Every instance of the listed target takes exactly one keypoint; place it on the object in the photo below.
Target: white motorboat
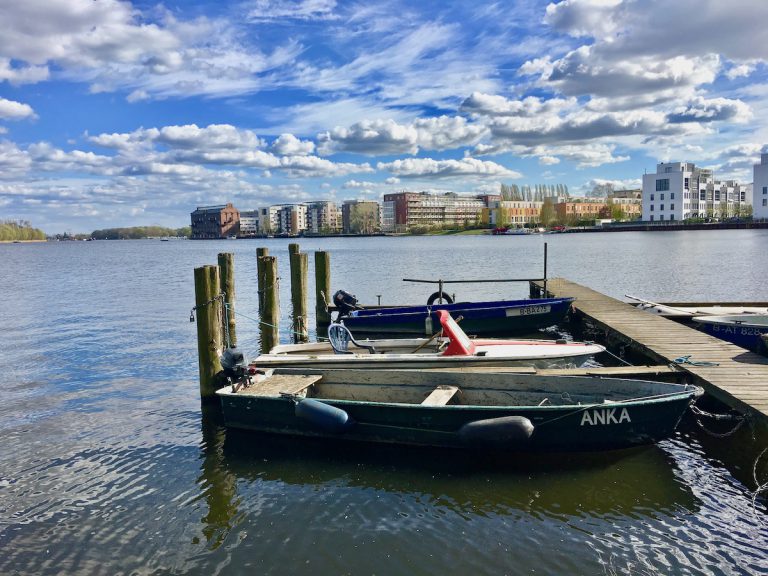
(454, 349)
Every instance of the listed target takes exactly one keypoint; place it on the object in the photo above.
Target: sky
(118, 113)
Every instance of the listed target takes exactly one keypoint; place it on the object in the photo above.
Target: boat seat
(440, 396)
(340, 337)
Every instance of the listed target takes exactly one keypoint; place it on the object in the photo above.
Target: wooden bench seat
(281, 385)
(440, 396)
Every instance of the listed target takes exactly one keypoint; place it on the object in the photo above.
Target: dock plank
(740, 378)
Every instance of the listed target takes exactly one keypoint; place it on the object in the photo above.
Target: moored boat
(499, 317)
(744, 330)
(475, 411)
(455, 349)
(683, 311)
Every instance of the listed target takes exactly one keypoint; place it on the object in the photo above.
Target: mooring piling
(299, 267)
(260, 252)
(227, 284)
(270, 311)
(322, 290)
(208, 308)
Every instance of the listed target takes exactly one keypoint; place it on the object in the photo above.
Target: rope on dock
(687, 360)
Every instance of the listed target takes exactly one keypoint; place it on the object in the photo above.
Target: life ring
(436, 296)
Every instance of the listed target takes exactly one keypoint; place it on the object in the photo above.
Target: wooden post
(322, 291)
(299, 267)
(208, 310)
(293, 248)
(270, 312)
(227, 279)
(260, 274)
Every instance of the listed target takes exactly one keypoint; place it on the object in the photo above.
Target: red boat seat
(459, 342)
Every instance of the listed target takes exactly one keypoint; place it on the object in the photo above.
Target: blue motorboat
(744, 330)
(497, 317)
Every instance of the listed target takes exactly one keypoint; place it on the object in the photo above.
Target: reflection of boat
(494, 317)
(476, 411)
(511, 231)
(744, 330)
(455, 350)
(691, 310)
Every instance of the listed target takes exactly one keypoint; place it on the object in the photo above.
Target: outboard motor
(344, 302)
(234, 364)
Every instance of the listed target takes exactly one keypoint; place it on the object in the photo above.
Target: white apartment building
(249, 222)
(680, 190)
(760, 188)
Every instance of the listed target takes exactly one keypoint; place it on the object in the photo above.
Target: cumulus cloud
(11, 110)
(595, 18)
(430, 168)
(289, 145)
(713, 110)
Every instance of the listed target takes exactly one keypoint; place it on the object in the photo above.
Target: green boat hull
(591, 427)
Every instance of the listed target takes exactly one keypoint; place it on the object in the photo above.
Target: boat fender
(324, 416)
(436, 296)
(506, 432)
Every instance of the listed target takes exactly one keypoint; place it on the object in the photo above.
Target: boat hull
(742, 330)
(502, 317)
(573, 428)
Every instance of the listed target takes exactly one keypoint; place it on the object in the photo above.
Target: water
(109, 466)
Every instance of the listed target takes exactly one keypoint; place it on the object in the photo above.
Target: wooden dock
(740, 378)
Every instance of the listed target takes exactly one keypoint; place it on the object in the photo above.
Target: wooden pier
(740, 378)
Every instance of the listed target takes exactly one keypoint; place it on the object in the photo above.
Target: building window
(651, 207)
(661, 208)
(671, 206)
(703, 195)
(765, 190)
(661, 196)
(651, 218)
(765, 201)
(651, 197)
(662, 184)
(685, 185)
(661, 217)
(671, 216)
(672, 196)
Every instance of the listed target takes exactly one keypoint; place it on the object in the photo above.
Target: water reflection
(640, 481)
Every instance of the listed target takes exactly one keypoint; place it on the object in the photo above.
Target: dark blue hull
(742, 334)
(499, 318)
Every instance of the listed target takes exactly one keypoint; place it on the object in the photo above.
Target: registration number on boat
(528, 310)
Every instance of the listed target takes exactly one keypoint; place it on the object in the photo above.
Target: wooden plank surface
(281, 384)
(440, 396)
(740, 378)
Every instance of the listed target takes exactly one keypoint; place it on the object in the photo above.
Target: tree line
(11, 230)
(138, 232)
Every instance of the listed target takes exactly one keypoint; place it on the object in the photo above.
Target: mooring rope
(687, 360)
(739, 418)
(759, 488)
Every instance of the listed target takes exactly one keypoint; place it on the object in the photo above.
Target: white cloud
(11, 110)
(428, 167)
(289, 145)
(713, 110)
(266, 10)
(595, 18)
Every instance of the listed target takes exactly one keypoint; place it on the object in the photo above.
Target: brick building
(215, 222)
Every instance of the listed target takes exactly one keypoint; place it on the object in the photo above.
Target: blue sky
(117, 113)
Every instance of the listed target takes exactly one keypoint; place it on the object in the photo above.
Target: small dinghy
(454, 350)
(741, 329)
(682, 311)
(469, 410)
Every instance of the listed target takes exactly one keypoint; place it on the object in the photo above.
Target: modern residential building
(511, 213)
(403, 211)
(760, 188)
(249, 223)
(215, 221)
(583, 209)
(292, 219)
(360, 217)
(323, 217)
(680, 190)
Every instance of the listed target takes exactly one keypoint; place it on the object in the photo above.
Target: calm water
(109, 466)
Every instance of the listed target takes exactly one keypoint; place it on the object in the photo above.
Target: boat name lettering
(528, 310)
(605, 416)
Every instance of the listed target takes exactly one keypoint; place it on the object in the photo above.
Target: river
(109, 465)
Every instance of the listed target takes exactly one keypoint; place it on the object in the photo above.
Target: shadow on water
(635, 482)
